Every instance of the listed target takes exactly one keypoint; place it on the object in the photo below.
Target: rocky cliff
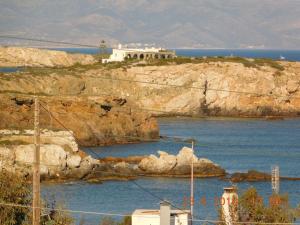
(16, 56)
(99, 121)
(114, 103)
(203, 88)
(60, 157)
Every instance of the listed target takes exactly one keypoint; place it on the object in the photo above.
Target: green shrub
(110, 221)
(13, 190)
(251, 208)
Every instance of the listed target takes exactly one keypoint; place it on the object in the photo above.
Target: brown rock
(91, 124)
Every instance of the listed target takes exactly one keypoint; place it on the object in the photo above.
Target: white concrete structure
(164, 216)
(230, 205)
(120, 54)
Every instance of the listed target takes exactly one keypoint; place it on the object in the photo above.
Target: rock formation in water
(16, 56)
(180, 164)
(166, 165)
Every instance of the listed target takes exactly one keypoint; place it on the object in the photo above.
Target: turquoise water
(237, 145)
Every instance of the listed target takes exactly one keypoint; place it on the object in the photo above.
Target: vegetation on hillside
(254, 63)
(78, 69)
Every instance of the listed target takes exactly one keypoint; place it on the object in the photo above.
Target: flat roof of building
(153, 212)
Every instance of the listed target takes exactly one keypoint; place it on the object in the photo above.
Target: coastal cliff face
(16, 56)
(100, 121)
(220, 89)
(190, 89)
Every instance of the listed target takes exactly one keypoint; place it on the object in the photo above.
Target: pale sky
(167, 23)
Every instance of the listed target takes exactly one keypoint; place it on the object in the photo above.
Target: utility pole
(36, 211)
(275, 179)
(192, 184)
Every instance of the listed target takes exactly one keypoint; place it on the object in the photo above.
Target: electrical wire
(125, 215)
(47, 41)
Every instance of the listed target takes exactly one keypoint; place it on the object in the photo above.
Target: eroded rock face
(179, 165)
(156, 165)
(16, 56)
(91, 120)
(74, 161)
(216, 87)
(52, 155)
(59, 162)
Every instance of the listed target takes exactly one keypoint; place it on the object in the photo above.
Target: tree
(13, 190)
(251, 208)
(107, 220)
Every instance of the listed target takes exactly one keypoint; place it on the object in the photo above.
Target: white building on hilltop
(120, 54)
(163, 216)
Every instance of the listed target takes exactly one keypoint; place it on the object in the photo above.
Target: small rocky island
(166, 165)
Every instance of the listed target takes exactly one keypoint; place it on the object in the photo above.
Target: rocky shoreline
(165, 165)
(93, 121)
(119, 103)
(63, 161)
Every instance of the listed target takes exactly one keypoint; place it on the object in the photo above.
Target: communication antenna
(103, 47)
(275, 179)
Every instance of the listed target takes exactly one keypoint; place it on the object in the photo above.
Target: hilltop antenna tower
(103, 47)
(275, 179)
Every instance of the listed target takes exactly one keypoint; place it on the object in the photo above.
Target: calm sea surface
(292, 55)
(235, 144)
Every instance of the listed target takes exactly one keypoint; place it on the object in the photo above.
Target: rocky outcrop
(180, 165)
(228, 88)
(255, 176)
(94, 121)
(165, 165)
(17, 56)
(59, 160)
(250, 176)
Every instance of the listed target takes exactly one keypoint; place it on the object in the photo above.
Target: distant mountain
(168, 23)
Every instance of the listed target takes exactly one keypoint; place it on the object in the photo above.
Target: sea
(237, 145)
(288, 54)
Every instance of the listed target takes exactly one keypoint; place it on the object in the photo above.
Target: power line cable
(142, 188)
(47, 41)
(164, 84)
(125, 215)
